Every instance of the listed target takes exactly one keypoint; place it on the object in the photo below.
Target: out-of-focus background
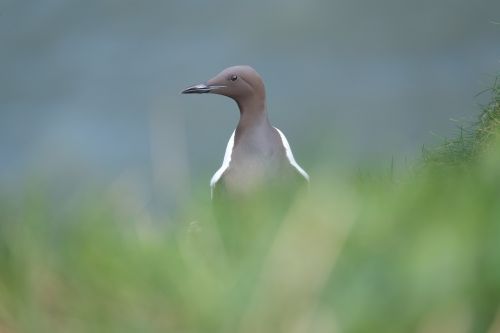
(106, 223)
(89, 90)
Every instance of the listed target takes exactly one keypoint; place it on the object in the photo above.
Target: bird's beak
(201, 89)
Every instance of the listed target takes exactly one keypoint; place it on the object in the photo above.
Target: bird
(257, 154)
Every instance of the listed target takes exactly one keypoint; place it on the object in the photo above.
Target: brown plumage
(257, 155)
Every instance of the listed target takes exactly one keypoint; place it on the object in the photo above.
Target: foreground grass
(418, 255)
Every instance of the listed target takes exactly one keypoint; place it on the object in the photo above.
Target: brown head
(241, 83)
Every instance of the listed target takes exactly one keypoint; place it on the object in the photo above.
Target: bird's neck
(253, 113)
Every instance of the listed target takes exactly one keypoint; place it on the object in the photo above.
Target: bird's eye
(234, 78)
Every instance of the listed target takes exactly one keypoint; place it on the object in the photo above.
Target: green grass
(420, 254)
(472, 139)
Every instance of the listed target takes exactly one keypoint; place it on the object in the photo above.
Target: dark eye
(234, 78)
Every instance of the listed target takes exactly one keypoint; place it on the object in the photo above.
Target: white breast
(225, 164)
(227, 160)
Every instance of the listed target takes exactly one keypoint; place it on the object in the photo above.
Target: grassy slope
(422, 254)
(472, 139)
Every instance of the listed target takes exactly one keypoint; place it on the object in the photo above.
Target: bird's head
(237, 82)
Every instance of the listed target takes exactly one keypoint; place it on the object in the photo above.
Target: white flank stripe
(224, 166)
(289, 155)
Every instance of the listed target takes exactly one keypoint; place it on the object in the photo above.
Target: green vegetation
(420, 254)
(472, 139)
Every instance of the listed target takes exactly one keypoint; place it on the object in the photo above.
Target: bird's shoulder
(289, 155)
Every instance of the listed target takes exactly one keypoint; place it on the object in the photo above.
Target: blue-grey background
(89, 90)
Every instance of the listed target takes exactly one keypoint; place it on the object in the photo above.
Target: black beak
(200, 89)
